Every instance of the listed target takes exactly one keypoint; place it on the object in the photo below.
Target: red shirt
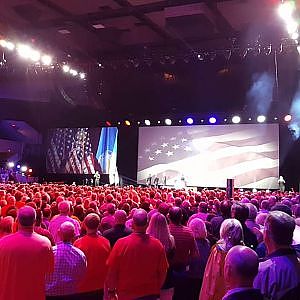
(96, 250)
(25, 259)
(139, 265)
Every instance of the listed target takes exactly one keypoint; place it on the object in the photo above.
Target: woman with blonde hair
(213, 286)
(158, 228)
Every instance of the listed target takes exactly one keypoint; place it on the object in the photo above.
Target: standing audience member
(158, 228)
(119, 230)
(241, 267)
(25, 259)
(6, 226)
(137, 265)
(96, 249)
(213, 286)
(69, 266)
(198, 263)
(186, 250)
(280, 272)
(56, 221)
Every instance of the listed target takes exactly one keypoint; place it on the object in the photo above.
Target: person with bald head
(96, 249)
(240, 269)
(69, 268)
(137, 265)
(56, 221)
(119, 230)
(25, 259)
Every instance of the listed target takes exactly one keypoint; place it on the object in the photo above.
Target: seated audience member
(25, 259)
(137, 265)
(69, 266)
(56, 221)
(198, 263)
(240, 212)
(96, 249)
(158, 228)
(241, 267)
(119, 230)
(280, 272)
(6, 226)
(213, 285)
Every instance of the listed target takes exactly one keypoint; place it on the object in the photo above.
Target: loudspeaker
(230, 188)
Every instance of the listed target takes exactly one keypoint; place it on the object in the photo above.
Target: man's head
(240, 212)
(175, 215)
(64, 207)
(92, 222)
(120, 217)
(140, 220)
(278, 230)
(66, 232)
(26, 217)
(241, 267)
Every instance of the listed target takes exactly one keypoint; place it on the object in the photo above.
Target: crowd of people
(144, 243)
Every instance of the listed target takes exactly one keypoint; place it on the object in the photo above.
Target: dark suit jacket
(251, 294)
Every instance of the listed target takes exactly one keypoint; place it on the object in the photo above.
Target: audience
(137, 265)
(241, 267)
(69, 266)
(81, 270)
(25, 259)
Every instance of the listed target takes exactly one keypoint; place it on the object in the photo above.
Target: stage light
(18, 166)
(10, 164)
(275, 118)
(66, 68)
(30, 170)
(127, 123)
(291, 26)
(236, 119)
(168, 121)
(107, 123)
(8, 45)
(287, 118)
(295, 35)
(147, 122)
(179, 121)
(212, 120)
(261, 119)
(82, 75)
(35, 55)
(24, 50)
(73, 72)
(225, 120)
(158, 122)
(190, 121)
(46, 60)
(250, 119)
(24, 169)
(202, 120)
(285, 10)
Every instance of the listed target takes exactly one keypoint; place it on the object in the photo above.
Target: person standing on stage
(97, 178)
(281, 183)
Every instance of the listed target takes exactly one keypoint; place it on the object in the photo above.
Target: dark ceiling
(144, 57)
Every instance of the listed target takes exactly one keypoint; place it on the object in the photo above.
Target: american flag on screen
(208, 155)
(70, 151)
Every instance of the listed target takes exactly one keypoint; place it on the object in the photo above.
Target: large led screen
(82, 150)
(207, 155)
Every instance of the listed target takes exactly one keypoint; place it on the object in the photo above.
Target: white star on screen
(183, 140)
(187, 148)
(151, 158)
(176, 147)
(158, 152)
(164, 145)
(169, 153)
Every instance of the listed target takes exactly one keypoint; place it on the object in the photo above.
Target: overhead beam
(116, 13)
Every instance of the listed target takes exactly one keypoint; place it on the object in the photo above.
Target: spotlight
(190, 121)
(285, 10)
(24, 50)
(107, 123)
(236, 119)
(24, 169)
(287, 118)
(212, 120)
(295, 35)
(127, 123)
(73, 72)
(291, 26)
(8, 45)
(82, 75)
(35, 55)
(168, 121)
(10, 164)
(18, 166)
(261, 119)
(30, 170)
(46, 60)
(275, 118)
(147, 122)
(250, 119)
(225, 120)
(66, 68)
(158, 122)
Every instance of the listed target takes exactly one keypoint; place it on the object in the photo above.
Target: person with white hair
(56, 221)
(213, 286)
(69, 266)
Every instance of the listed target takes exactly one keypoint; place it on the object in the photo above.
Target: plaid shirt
(69, 268)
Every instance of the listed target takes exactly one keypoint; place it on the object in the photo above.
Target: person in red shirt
(96, 249)
(137, 265)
